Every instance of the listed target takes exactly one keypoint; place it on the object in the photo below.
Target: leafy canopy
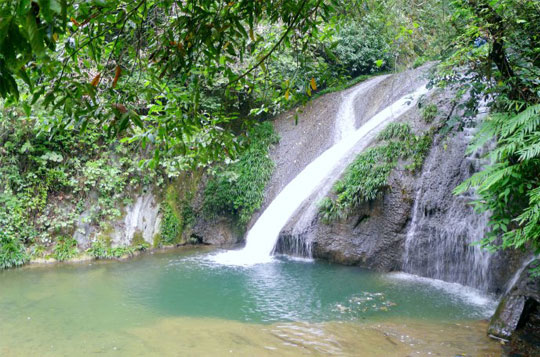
(145, 64)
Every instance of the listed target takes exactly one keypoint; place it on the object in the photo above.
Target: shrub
(100, 250)
(429, 112)
(65, 249)
(363, 181)
(12, 252)
(367, 176)
(171, 226)
(360, 48)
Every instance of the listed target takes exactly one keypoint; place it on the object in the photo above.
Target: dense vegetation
(367, 177)
(103, 99)
(498, 49)
(49, 183)
(237, 189)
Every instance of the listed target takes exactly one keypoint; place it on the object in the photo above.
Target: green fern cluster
(65, 249)
(509, 188)
(367, 177)
(399, 131)
(237, 189)
(12, 252)
(101, 250)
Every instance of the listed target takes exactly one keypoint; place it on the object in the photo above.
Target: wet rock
(518, 315)
(372, 237)
(376, 234)
(506, 318)
(220, 231)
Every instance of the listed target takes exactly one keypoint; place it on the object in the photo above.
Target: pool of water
(181, 303)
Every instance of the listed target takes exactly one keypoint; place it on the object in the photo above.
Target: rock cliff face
(304, 139)
(418, 225)
(374, 235)
(141, 219)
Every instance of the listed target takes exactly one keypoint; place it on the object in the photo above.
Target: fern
(399, 131)
(509, 188)
(526, 121)
(367, 177)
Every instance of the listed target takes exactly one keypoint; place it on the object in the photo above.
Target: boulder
(518, 315)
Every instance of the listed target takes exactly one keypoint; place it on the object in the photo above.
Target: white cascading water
(518, 273)
(298, 245)
(262, 237)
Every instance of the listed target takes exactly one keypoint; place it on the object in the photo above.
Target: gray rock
(519, 308)
(220, 231)
(142, 217)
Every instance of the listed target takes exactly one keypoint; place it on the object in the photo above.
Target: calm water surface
(180, 303)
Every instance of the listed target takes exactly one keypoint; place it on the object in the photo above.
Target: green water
(131, 307)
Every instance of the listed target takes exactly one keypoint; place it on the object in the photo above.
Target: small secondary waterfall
(518, 273)
(262, 237)
(443, 227)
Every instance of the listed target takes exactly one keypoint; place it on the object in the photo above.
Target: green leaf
(136, 119)
(24, 76)
(35, 35)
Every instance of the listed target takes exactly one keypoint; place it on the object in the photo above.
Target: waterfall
(518, 273)
(443, 228)
(262, 237)
(298, 243)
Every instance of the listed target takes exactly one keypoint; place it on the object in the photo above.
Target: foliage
(47, 183)
(400, 131)
(367, 177)
(497, 53)
(171, 226)
(65, 249)
(178, 215)
(12, 252)
(510, 187)
(360, 48)
(415, 31)
(429, 112)
(237, 189)
(100, 250)
(138, 239)
(184, 78)
(148, 65)
(157, 240)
